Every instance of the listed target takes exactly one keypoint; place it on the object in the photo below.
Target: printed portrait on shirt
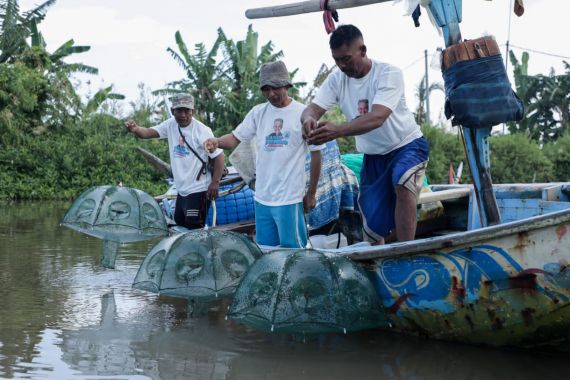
(362, 107)
(181, 150)
(278, 138)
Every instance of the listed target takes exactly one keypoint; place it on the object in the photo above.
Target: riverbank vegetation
(55, 143)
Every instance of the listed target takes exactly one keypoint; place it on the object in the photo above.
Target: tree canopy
(54, 143)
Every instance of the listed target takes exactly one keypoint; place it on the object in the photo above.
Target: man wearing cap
(280, 164)
(194, 182)
(395, 151)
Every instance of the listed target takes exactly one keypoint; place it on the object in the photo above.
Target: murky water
(63, 316)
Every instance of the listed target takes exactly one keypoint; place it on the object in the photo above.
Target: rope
(329, 17)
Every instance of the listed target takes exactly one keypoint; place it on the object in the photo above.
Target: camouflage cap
(182, 101)
(274, 74)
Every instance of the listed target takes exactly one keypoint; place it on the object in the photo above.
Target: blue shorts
(380, 173)
(280, 225)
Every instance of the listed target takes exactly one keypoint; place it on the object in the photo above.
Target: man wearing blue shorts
(280, 197)
(395, 151)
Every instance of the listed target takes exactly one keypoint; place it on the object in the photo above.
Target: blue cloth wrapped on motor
(479, 94)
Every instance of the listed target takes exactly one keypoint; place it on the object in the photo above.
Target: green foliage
(546, 99)
(16, 27)
(62, 165)
(516, 158)
(558, 153)
(22, 91)
(203, 77)
(225, 89)
(445, 148)
(147, 110)
(98, 99)
(54, 145)
(345, 144)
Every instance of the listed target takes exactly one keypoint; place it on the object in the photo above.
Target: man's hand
(309, 202)
(326, 131)
(131, 126)
(211, 145)
(309, 125)
(213, 190)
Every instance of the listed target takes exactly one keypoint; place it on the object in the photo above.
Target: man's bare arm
(228, 141)
(214, 187)
(327, 131)
(310, 200)
(315, 171)
(311, 114)
(140, 132)
(367, 122)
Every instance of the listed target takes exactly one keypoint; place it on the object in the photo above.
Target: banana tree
(16, 27)
(242, 62)
(547, 104)
(203, 76)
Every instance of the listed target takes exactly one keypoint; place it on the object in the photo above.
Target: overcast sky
(128, 38)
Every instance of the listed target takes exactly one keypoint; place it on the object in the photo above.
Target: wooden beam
(156, 162)
(444, 195)
(305, 7)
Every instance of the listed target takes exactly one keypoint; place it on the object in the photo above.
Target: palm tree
(422, 95)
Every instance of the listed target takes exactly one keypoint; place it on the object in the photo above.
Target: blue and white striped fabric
(337, 189)
(479, 94)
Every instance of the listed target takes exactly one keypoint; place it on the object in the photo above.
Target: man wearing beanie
(280, 197)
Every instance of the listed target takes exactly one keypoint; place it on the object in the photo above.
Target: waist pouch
(478, 93)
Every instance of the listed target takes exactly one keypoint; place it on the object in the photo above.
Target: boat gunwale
(460, 238)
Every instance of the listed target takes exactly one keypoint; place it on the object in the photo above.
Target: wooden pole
(305, 7)
(428, 120)
(156, 162)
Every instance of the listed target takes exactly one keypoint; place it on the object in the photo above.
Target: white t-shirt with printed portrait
(281, 152)
(384, 85)
(185, 165)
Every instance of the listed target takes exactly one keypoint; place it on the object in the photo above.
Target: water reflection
(62, 316)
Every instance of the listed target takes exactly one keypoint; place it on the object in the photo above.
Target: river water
(63, 316)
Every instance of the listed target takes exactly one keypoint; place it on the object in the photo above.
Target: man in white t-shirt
(395, 151)
(189, 160)
(280, 164)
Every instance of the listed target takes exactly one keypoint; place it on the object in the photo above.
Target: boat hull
(501, 286)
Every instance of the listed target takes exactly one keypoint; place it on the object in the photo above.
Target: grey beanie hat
(274, 74)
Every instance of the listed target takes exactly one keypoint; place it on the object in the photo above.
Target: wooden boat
(486, 271)
(504, 285)
(464, 279)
